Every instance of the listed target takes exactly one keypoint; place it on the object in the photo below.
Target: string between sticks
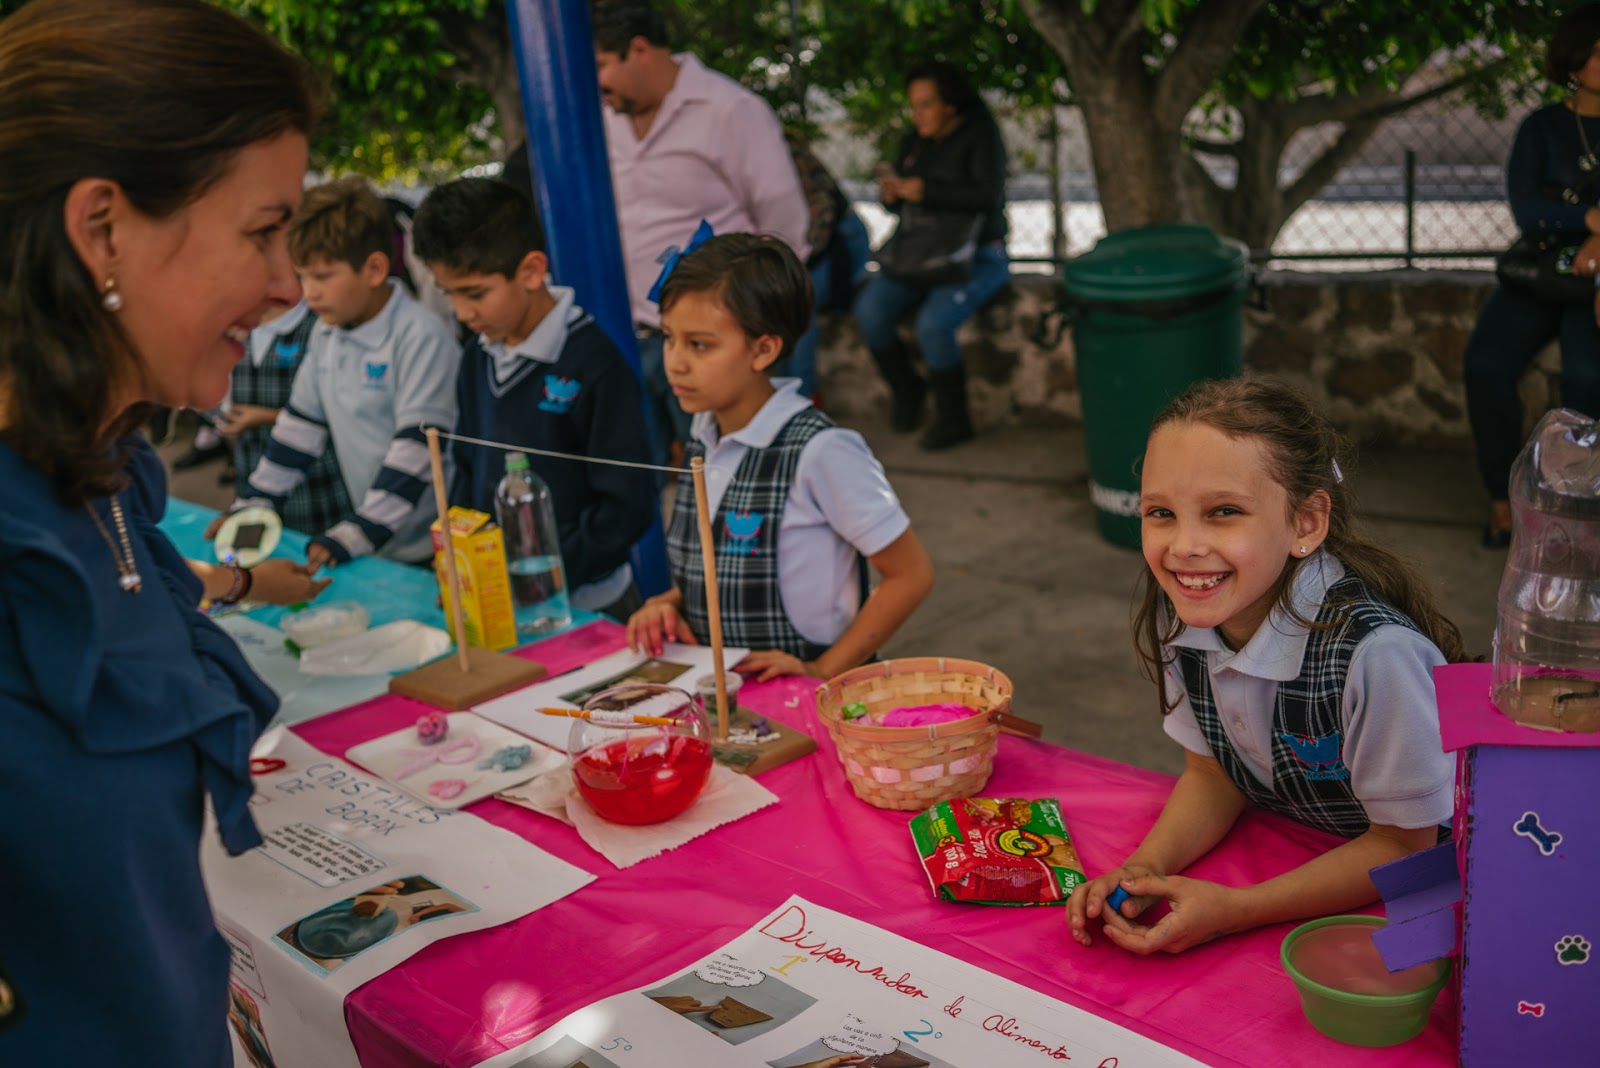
(561, 455)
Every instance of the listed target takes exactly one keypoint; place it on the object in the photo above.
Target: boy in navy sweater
(539, 373)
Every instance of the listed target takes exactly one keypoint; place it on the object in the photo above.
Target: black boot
(951, 426)
(907, 390)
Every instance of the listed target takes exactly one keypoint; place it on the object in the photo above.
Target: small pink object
(459, 751)
(445, 789)
(926, 715)
(432, 728)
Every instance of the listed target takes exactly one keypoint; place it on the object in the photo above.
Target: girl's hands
(1200, 912)
(1088, 901)
(656, 623)
(241, 417)
(771, 663)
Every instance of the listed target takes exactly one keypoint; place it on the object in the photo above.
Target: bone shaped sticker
(1525, 1008)
(1529, 827)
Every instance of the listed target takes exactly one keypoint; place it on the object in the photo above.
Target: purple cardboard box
(1527, 828)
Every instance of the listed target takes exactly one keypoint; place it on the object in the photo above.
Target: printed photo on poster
(329, 937)
(568, 1052)
(855, 1043)
(731, 999)
(245, 1017)
(651, 671)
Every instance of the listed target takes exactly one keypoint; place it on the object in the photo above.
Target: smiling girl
(1295, 663)
(799, 506)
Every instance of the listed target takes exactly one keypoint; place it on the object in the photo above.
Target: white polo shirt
(714, 151)
(840, 504)
(1399, 770)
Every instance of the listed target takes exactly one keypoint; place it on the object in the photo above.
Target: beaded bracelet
(242, 581)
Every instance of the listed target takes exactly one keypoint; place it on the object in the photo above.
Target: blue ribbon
(670, 258)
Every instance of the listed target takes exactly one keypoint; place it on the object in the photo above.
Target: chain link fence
(1427, 190)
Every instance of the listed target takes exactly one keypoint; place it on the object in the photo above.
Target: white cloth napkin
(728, 796)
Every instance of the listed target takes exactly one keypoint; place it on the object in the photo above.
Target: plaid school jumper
(1310, 782)
(745, 536)
(321, 500)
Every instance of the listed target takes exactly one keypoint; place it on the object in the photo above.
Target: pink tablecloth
(469, 997)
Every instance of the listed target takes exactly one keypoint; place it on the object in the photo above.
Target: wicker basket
(911, 768)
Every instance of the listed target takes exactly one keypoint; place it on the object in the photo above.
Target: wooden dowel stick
(442, 502)
(708, 562)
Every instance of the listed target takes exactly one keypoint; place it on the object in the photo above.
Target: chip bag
(998, 851)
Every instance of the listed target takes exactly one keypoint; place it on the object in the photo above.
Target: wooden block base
(753, 758)
(444, 685)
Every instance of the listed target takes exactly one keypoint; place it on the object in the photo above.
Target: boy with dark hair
(539, 373)
(378, 368)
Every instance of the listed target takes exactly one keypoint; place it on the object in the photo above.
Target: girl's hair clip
(1338, 475)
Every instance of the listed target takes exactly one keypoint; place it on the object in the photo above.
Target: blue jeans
(668, 420)
(855, 245)
(940, 310)
(1512, 327)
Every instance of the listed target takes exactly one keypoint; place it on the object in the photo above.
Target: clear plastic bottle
(527, 518)
(1547, 634)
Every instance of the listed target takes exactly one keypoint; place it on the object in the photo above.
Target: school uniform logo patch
(559, 393)
(286, 352)
(743, 529)
(374, 375)
(1321, 758)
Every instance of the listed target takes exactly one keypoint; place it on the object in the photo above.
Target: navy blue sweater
(1543, 162)
(586, 403)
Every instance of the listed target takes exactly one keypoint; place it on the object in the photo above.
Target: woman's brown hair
(1303, 455)
(158, 96)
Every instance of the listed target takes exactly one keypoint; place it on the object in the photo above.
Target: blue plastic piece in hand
(1115, 899)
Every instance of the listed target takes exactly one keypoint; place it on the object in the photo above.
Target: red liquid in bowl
(643, 780)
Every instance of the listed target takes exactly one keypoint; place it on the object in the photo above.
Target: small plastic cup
(1346, 990)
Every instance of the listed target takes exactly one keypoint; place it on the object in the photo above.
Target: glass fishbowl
(644, 753)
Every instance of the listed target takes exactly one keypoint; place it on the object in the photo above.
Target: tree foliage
(1160, 79)
(1189, 105)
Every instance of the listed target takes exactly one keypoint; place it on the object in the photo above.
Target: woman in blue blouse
(1557, 149)
(153, 155)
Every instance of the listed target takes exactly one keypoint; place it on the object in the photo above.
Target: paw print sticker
(1573, 949)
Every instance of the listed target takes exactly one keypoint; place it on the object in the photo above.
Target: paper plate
(248, 536)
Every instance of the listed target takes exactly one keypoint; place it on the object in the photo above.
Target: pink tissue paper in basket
(925, 715)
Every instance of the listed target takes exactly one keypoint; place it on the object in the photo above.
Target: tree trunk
(487, 61)
(1134, 117)
(1135, 162)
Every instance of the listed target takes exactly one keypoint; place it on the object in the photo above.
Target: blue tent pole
(572, 178)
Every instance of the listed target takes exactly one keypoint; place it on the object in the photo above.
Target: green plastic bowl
(1339, 996)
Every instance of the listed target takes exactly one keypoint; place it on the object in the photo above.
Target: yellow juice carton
(485, 582)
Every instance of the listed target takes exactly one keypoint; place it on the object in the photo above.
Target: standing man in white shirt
(685, 143)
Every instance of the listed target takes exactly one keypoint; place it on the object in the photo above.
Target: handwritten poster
(353, 877)
(808, 987)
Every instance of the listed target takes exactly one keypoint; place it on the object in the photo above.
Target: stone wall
(1379, 351)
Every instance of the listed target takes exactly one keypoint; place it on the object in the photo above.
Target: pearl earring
(1303, 550)
(111, 301)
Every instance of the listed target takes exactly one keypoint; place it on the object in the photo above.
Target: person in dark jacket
(952, 160)
(540, 373)
(1557, 149)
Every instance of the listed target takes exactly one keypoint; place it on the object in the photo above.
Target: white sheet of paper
(678, 665)
(355, 876)
(400, 760)
(809, 983)
(300, 696)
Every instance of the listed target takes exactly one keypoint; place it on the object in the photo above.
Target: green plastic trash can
(1154, 310)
